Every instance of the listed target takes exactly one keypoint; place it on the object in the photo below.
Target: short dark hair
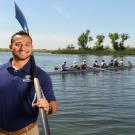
(20, 33)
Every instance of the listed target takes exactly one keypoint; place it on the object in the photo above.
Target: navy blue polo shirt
(17, 93)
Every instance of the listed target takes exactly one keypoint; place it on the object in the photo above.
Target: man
(111, 63)
(63, 66)
(75, 66)
(115, 63)
(95, 64)
(121, 63)
(18, 102)
(103, 64)
(83, 65)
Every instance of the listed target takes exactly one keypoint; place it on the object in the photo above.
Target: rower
(110, 63)
(95, 64)
(83, 65)
(75, 65)
(121, 63)
(103, 64)
(115, 63)
(63, 66)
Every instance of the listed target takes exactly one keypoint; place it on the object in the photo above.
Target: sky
(55, 24)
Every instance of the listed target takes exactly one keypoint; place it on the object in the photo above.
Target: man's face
(21, 47)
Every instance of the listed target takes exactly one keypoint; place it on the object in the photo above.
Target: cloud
(61, 11)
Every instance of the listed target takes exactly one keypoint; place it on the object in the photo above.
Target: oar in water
(106, 70)
(21, 18)
(99, 69)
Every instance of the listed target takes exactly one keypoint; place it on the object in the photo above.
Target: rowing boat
(90, 69)
(71, 71)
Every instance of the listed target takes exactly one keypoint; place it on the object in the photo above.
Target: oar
(102, 69)
(39, 96)
(21, 19)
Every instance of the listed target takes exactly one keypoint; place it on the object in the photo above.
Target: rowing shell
(90, 69)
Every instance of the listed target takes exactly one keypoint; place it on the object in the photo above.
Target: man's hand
(42, 103)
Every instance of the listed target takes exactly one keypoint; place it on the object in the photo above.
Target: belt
(20, 131)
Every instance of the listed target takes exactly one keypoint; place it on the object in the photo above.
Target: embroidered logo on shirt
(27, 78)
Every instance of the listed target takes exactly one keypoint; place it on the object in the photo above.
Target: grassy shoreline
(88, 52)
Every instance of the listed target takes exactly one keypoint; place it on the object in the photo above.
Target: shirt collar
(26, 68)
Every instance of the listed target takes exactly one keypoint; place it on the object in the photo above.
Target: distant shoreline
(83, 52)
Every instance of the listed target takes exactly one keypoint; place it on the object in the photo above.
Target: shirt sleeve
(47, 87)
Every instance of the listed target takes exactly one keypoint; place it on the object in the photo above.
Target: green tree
(83, 40)
(70, 47)
(114, 37)
(124, 36)
(98, 45)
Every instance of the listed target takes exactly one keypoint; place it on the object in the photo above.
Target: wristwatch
(50, 110)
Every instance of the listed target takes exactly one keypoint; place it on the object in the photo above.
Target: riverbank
(93, 52)
(89, 52)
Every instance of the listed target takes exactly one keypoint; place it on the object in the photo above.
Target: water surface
(90, 104)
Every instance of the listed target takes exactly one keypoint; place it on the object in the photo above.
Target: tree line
(117, 41)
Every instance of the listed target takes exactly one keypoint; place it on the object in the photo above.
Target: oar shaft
(44, 122)
(41, 110)
(37, 88)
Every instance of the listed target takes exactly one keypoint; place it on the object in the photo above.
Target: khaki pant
(33, 131)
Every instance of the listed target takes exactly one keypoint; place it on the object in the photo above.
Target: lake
(90, 104)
